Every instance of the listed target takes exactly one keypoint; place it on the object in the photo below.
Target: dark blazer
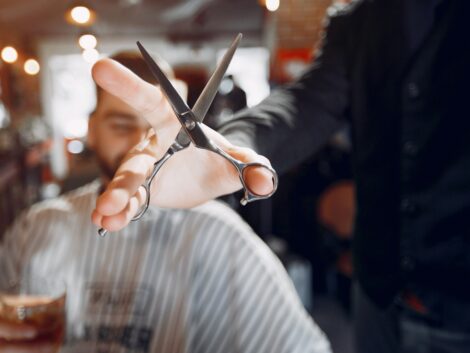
(410, 122)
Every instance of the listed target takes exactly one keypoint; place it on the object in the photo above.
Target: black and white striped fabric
(176, 281)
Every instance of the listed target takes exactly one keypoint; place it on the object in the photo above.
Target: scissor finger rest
(250, 195)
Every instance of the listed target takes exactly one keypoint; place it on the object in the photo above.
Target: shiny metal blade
(178, 104)
(204, 101)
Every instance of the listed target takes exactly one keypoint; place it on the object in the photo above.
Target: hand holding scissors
(192, 132)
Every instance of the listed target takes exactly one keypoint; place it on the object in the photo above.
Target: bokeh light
(87, 41)
(80, 14)
(9, 54)
(31, 67)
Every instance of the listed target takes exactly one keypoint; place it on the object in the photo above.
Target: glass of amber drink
(32, 313)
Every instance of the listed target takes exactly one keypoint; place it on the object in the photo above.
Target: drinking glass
(34, 305)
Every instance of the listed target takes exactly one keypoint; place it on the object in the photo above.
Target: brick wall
(295, 30)
(299, 22)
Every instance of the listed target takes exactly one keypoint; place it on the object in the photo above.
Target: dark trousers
(393, 331)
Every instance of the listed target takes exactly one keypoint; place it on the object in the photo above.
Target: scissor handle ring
(249, 196)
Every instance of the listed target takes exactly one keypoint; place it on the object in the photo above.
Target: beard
(108, 168)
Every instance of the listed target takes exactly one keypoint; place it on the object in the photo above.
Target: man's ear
(91, 136)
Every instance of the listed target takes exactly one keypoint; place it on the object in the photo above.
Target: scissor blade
(204, 101)
(174, 98)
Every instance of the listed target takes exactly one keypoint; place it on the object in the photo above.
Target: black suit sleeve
(294, 122)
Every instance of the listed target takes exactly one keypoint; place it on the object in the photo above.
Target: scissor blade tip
(144, 52)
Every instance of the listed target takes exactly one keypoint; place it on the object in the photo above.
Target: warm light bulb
(87, 41)
(90, 55)
(31, 67)
(9, 54)
(80, 14)
(272, 5)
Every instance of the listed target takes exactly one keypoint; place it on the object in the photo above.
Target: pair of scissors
(191, 129)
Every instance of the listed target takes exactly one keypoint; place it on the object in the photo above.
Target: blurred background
(46, 95)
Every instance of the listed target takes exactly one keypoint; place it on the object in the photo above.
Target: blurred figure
(176, 281)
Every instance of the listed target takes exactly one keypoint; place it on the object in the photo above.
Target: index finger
(121, 82)
(127, 179)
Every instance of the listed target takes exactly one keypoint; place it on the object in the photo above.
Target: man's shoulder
(342, 7)
(209, 223)
(218, 211)
(68, 203)
(346, 11)
(228, 224)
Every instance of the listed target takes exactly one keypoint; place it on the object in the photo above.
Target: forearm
(283, 129)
